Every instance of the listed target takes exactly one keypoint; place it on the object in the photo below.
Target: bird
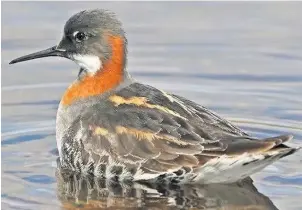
(110, 125)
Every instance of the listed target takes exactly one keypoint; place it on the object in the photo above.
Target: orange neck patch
(105, 79)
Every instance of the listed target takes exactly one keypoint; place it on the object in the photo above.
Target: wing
(142, 126)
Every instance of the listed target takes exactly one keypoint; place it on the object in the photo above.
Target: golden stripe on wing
(139, 134)
(144, 135)
(141, 101)
(101, 131)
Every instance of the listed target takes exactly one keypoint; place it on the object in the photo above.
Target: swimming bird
(110, 125)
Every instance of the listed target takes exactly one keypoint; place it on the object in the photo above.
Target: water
(242, 60)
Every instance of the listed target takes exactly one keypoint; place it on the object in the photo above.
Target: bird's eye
(79, 36)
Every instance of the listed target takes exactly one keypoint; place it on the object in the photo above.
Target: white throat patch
(91, 63)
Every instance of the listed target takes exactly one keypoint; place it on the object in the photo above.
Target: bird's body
(111, 126)
(139, 132)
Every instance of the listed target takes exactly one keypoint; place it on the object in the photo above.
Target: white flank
(140, 175)
(224, 169)
(91, 63)
(231, 169)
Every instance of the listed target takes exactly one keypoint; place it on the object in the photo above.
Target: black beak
(53, 51)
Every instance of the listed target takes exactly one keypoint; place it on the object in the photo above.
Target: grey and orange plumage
(110, 125)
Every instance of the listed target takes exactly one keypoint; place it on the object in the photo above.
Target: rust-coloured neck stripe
(105, 79)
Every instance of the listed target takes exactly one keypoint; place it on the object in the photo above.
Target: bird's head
(92, 39)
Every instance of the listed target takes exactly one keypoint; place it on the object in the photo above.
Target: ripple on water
(24, 138)
(40, 179)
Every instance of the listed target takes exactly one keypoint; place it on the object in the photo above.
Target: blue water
(242, 60)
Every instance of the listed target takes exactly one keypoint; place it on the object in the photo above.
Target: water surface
(243, 60)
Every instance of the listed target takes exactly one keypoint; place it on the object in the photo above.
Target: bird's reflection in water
(76, 192)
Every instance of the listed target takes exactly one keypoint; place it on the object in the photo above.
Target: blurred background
(242, 60)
